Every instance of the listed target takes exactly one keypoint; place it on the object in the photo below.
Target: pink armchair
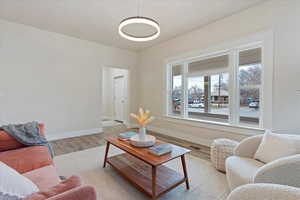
(79, 193)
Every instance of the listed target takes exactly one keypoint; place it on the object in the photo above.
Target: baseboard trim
(64, 135)
(109, 123)
(172, 133)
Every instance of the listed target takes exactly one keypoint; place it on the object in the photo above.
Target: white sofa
(242, 168)
(262, 191)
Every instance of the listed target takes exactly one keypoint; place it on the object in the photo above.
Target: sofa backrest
(8, 143)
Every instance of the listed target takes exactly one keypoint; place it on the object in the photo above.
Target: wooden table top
(143, 154)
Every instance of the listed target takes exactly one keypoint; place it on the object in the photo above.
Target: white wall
(108, 90)
(280, 16)
(55, 79)
(107, 95)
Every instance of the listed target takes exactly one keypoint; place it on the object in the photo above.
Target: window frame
(261, 92)
(234, 89)
(203, 74)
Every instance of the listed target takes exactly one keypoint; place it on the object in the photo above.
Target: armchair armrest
(248, 146)
(79, 193)
(284, 171)
(265, 191)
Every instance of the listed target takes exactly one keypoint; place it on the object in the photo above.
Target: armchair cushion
(241, 170)
(275, 146)
(264, 192)
(283, 171)
(64, 186)
(248, 146)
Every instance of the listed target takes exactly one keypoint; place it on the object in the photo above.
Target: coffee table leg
(185, 172)
(106, 153)
(153, 182)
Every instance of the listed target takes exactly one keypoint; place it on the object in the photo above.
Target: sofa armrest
(26, 159)
(265, 192)
(284, 171)
(79, 193)
(248, 146)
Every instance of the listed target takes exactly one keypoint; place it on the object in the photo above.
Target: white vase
(142, 133)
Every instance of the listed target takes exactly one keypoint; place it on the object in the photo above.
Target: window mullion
(233, 88)
(185, 91)
(169, 89)
(262, 93)
(237, 88)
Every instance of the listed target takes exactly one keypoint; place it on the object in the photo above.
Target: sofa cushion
(14, 185)
(45, 177)
(274, 146)
(27, 159)
(8, 143)
(64, 186)
(241, 170)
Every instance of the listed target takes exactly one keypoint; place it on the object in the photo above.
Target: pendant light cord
(138, 8)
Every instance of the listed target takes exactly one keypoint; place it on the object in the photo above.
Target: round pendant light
(139, 29)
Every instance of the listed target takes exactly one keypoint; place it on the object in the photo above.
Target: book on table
(126, 135)
(160, 149)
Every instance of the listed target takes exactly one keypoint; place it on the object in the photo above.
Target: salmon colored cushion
(64, 186)
(8, 143)
(27, 159)
(44, 177)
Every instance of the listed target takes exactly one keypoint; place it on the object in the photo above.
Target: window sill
(239, 129)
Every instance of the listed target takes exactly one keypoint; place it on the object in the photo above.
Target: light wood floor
(70, 145)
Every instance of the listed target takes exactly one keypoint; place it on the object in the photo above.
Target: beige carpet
(206, 182)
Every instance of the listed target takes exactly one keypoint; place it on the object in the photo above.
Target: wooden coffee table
(146, 171)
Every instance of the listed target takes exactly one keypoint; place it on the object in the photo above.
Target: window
(250, 71)
(176, 95)
(208, 89)
(225, 87)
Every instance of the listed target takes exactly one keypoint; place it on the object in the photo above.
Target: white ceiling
(98, 20)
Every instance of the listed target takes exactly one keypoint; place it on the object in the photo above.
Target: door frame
(127, 92)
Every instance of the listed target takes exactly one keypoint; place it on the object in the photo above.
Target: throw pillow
(14, 186)
(64, 186)
(274, 146)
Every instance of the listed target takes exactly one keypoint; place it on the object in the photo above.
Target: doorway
(114, 96)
